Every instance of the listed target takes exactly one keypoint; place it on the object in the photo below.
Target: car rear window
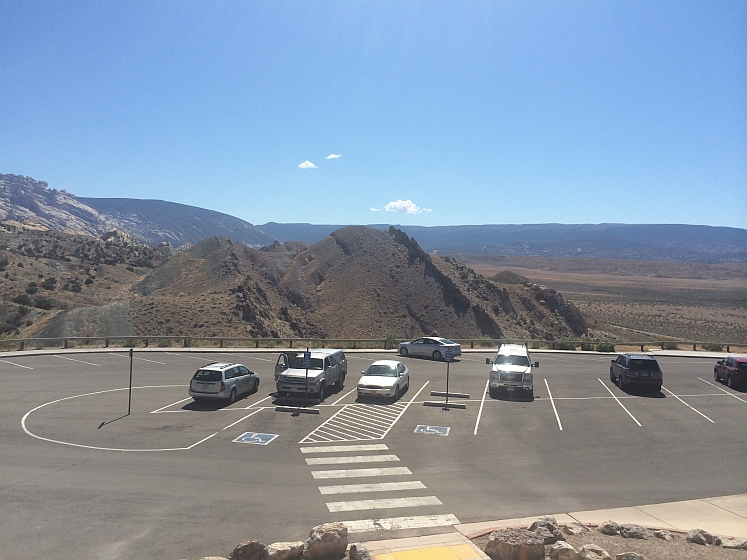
(742, 366)
(644, 365)
(207, 375)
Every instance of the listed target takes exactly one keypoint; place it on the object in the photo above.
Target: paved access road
(81, 479)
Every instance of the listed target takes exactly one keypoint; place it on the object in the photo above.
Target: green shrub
(606, 346)
(42, 302)
(164, 343)
(669, 346)
(130, 343)
(23, 299)
(390, 341)
(565, 345)
(713, 347)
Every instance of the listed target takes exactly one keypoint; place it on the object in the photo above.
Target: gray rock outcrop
(359, 552)
(663, 534)
(629, 556)
(593, 552)
(699, 536)
(284, 551)
(506, 544)
(547, 527)
(328, 541)
(252, 550)
(631, 531)
(561, 550)
(609, 528)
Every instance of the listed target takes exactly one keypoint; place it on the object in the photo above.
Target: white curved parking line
(15, 364)
(552, 402)
(688, 406)
(342, 397)
(70, 444)
(169, 405)
(723, 390)
(482, 403)
(618, 402)
(79, 361)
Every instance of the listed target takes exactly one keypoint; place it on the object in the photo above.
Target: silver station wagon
(429, 347)
(222, 380)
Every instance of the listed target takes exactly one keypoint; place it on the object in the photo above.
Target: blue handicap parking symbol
(256, 438)
(432, 430)
(449, 356)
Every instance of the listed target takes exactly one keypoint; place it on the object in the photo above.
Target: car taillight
(222, 386)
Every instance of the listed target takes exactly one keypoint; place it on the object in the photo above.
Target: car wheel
(715, 374)
(322, 389)
(396, 393)
(232, 396)
(729, 382)
(256, 386)
(493, 393)
(437, 355)
(340, 382)
(657, 389)
(621, 382)
(403, 352)
(612, 376)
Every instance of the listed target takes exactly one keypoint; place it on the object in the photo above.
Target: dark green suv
(636, 370)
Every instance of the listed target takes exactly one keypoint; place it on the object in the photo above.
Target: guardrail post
(221, 343)
(145, 342)
(23, 345)
(64, 345)
(107, 343)
(694, 346)
(641, 347)
(186, 342)
(728, 351)
(471, 343)
(291, 343)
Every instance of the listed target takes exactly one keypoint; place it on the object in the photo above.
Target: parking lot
(176, 479)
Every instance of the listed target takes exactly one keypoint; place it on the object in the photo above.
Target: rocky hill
(356, 283)
(33, 204)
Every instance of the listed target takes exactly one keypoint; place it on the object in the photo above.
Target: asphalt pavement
(173, 479)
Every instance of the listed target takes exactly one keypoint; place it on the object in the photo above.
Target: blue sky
(441, 113)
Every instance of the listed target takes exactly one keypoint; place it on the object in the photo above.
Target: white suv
(327, 368)
(512, 370)
(221, 380)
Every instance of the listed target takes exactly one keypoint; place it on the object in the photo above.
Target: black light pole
(306, 392)
(129, 399)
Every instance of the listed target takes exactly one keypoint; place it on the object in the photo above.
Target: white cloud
(375, 209)
(405, 207)
(307, 165)
(333, 156)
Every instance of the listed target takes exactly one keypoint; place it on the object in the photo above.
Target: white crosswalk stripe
(395, 523)
(360, 473)
(375, 487)
(387, 503)
(353, 459)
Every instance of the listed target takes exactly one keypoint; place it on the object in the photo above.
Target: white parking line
(259, 401)
(79, 361)
(337, 448)
(723, 390)
(185, 356)
(15, 364)
(170, 405)
(360, 473)
(345, 395)
(688, 406)
(376, 487)
(136, 358)
(396, 523)
(351, 459)
(482, 403)
(552, 402)
(386, 503)
(242, 419)
(618, 402)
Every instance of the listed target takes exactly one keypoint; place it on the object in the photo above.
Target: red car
(732, 370)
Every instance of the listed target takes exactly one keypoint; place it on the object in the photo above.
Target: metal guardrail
(345, 343)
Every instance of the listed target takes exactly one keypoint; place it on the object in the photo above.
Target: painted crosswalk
(357, 492)
(360, 422)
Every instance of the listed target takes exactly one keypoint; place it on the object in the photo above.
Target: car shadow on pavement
(639, 392)
(516, 396)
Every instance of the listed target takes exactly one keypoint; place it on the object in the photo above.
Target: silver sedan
(429, 347)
